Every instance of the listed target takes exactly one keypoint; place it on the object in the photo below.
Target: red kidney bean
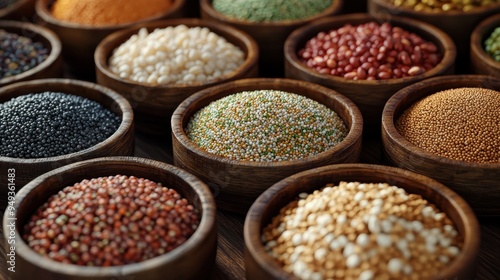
(370, 51)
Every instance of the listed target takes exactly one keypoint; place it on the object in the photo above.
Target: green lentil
(442, 5)
(461, 124)
(266, 125)
(492, 44)
(270, 10)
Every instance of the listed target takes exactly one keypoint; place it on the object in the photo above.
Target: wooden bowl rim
(207, 220)
(206, 6)
(413, 13)
(477, 38)
(394, 102)
(54, 45)
(251, 60)
(299, 34)
(42, 10)
(355, 132)
(126, 122)
(252, 228)
(12, 7)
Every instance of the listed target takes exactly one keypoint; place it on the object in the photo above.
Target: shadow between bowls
(481, 62)
(236, 184)
(154, 105)
(458, 25)
(194, 259)
(79, 41)
(478, 183)
(51, 67)
(120, 143)
(259, 265)
(369, 96)
(270, 36)
(21, 10)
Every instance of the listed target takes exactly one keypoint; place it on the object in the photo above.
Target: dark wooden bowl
(79, 41)
(19, 10)
(458, 25)
(478, 183)
(119, 143)
(369, 96)
(482, 62)
(270, 36)
(154, 105)
(236, 184)
(192, 260)
(260, 265)
(51, 67)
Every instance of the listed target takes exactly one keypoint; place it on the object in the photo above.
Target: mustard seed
(266, 125)
(316, 237)
(461, 124)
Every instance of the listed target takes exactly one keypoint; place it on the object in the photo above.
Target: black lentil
(19, 54)
(50, 124)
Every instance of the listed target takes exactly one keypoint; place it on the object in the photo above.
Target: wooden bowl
(119, 143)
(270, 36)
(230, 179)
(19, 10)
(458, 25)
(79, 41)
(194, 259)
(369, 96)
(260, 265)
(154, 105)
(51, 67)
(482, 62)
(478, 183)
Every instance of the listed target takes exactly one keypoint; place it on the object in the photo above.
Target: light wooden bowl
(79, 41)
(51, 67)
(119, 143)
(236, 184)
(260, 265)
(458, 25)
(19, 10)
(478, 183)
(481, 62)
(154, 105)
(194, 259)
(270, 36)
(369, 96)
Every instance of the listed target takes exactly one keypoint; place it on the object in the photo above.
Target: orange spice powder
(107, 12)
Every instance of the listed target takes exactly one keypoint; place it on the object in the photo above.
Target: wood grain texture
(19, 10)
(154, 105)
(481, 62)
(51, 67)
(237, 184)
(121, 142)
(478, 183)
(194, 259)
(268, 205)
(458, 25)
(79, 41)
(270, 36)
(369, 96)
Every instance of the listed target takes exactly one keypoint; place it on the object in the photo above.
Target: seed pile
(51, 124)
(270, 10)
(111, 221)
(492, 44)
(19, 54)
(107, 12)
(266, 125)
(437, 6)
(6, 3)
(175, 55)
(461, 124)
(361, 231)
(370, 52)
